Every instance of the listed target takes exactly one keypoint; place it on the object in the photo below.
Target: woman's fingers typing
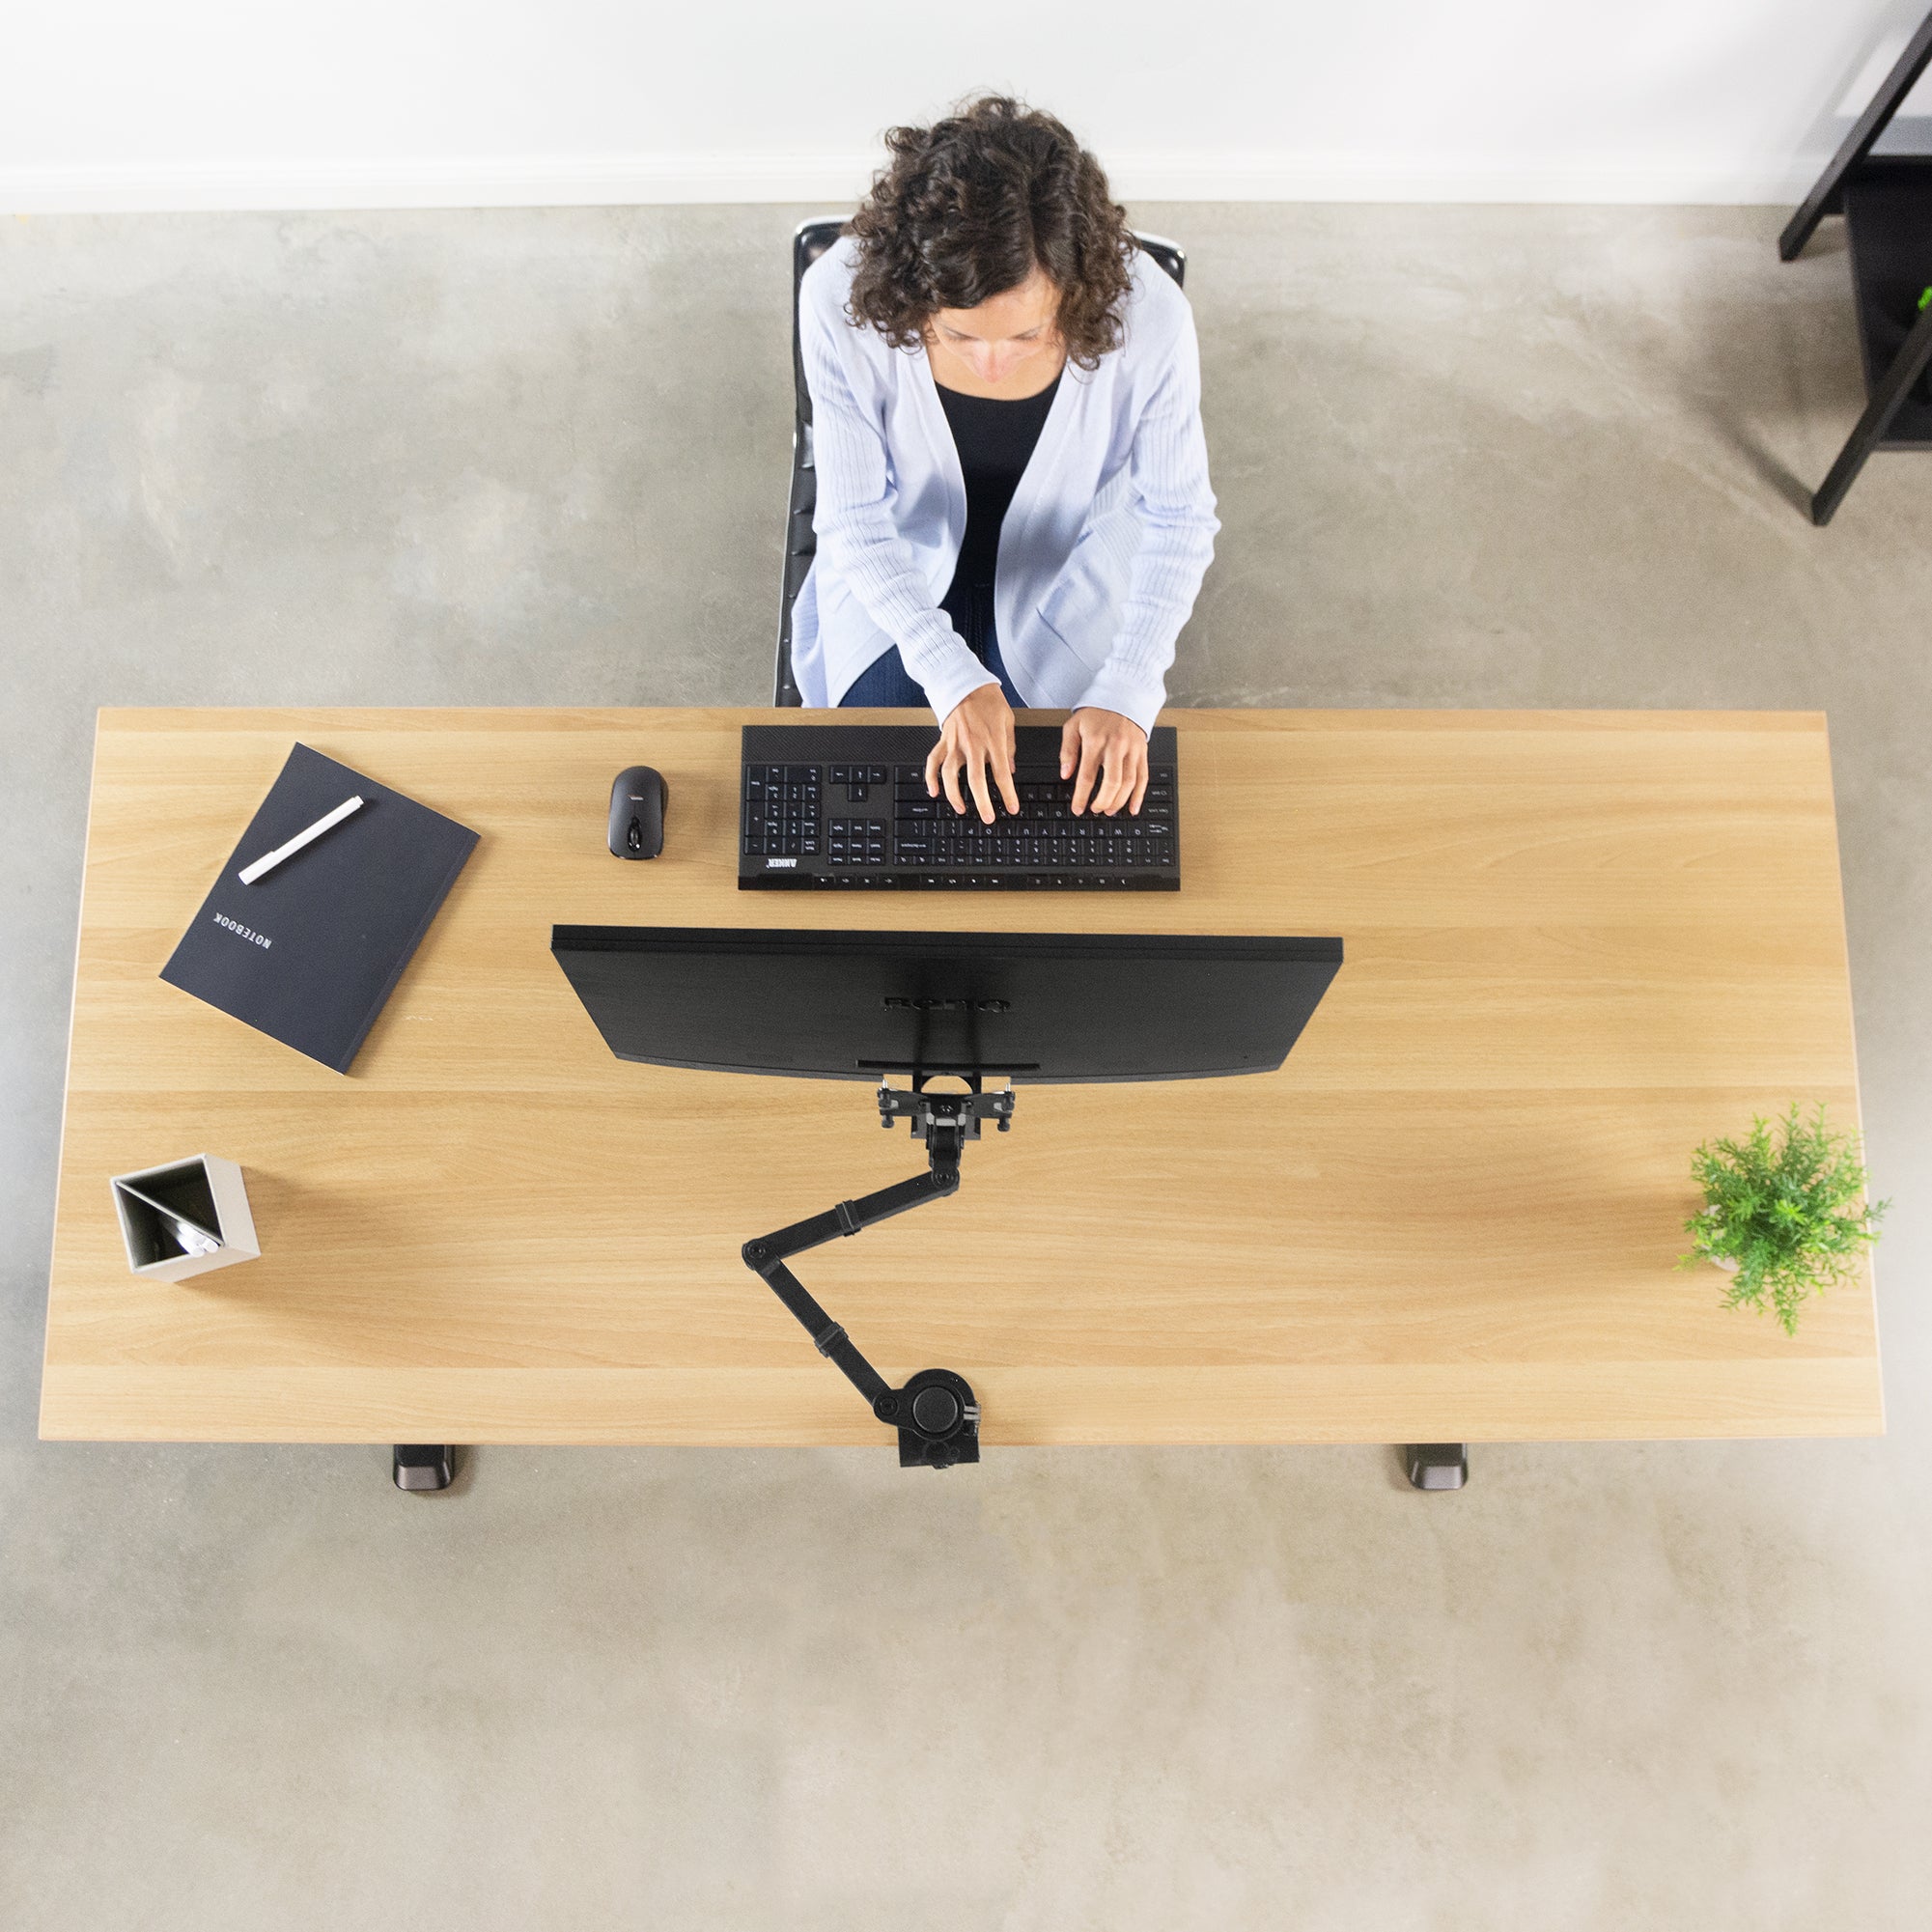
(1088, 774)
(977, 735)
(1103, 753)
(1106, 755)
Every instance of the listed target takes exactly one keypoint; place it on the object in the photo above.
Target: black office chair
(811, 240)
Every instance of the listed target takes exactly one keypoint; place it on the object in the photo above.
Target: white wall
(274, 104)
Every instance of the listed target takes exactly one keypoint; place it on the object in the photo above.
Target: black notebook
(309, 952)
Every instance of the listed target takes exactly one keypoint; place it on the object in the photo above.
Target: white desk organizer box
(169, 1214)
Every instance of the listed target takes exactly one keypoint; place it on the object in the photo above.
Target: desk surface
(1577, 944)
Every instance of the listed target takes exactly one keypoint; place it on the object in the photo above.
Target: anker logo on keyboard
(899, 1000)
(779, 864)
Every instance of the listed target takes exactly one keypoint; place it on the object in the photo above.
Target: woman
(1013, 499)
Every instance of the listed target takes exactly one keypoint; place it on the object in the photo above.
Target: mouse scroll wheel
(634, 837)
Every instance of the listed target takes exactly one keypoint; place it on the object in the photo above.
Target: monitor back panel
(1052, 1007)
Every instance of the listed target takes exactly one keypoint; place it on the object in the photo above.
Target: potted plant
(1784, 1213)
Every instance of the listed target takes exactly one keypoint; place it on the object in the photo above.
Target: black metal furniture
(809, 242)
(1887, 203)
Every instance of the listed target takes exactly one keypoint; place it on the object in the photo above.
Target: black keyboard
(845, 805)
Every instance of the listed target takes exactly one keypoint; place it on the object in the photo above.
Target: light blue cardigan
(1103, 550)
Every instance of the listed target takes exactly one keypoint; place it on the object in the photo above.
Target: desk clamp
(936, 1413)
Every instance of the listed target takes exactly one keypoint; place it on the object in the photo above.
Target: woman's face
(1005, 332)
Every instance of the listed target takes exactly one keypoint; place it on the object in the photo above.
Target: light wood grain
(1577, 944)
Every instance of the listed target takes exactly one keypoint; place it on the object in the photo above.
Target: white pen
(270, 859)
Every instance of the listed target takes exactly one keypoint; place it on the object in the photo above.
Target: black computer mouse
(637, 813)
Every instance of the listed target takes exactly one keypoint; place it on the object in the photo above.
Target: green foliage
(1788, 1211)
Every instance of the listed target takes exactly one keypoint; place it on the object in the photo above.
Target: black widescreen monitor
(1030, 1007)
(862, 1007)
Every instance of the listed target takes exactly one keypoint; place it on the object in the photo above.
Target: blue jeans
(886, 682)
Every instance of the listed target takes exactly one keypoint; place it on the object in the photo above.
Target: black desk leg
(424, 1465)
(1891, 390)
(1437, 1465)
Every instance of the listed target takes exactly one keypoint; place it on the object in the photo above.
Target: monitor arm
(936, 1413)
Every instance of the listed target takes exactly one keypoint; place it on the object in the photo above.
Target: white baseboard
(1363, 178)
(836, 180)
(470, 181)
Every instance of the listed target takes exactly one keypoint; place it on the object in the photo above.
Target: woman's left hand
(1109, 751)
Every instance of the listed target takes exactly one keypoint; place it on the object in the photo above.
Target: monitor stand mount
(936, 1413)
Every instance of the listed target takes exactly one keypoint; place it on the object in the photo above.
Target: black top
(995, 441)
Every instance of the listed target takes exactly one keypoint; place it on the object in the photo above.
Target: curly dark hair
(968, 208)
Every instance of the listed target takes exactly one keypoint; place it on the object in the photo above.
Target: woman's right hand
(977, 733)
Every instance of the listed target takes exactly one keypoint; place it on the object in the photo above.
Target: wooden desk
(1577, 944)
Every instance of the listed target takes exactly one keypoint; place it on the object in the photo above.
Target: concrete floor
(1464, 457)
